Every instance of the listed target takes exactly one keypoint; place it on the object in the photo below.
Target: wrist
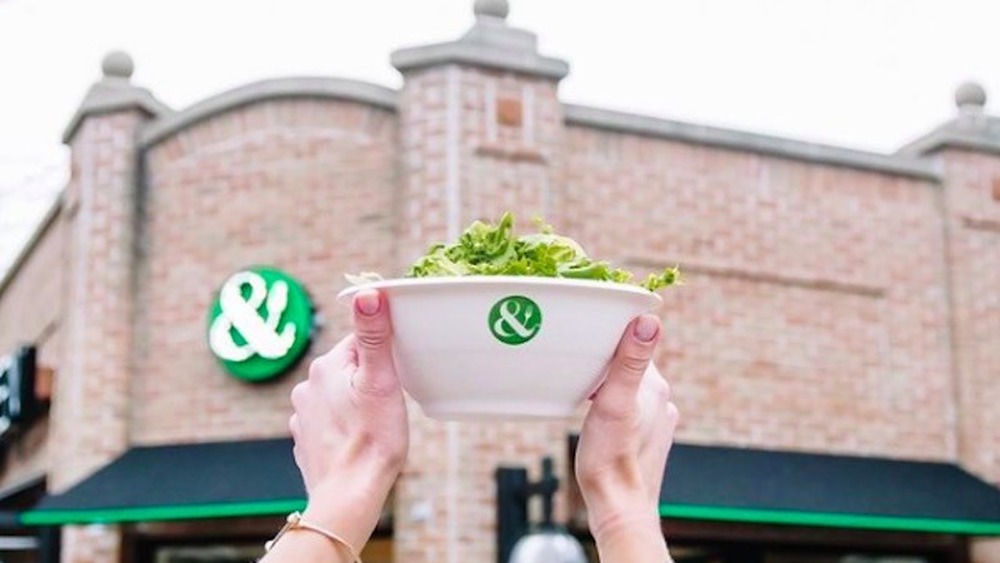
(611, 505)
(608, 525)
(630, 537)
(349, 508)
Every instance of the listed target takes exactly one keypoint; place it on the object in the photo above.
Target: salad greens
(487, 249)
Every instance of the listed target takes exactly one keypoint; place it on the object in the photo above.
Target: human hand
(623, 449)
(350, 425)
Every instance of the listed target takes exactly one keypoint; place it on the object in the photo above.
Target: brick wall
(31, 311)
(31, 303)
(303, 185)
(813, 315)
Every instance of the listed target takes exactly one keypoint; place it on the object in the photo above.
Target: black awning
(258, 478)
(772, 487)
(9, 520)
(214, 480)
(18, 497)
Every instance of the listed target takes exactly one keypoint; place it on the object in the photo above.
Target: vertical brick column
(967, 149)
(974, 248)
(974, 245)
(90, 417)
(481, 131)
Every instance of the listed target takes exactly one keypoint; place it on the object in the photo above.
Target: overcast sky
(868, 74)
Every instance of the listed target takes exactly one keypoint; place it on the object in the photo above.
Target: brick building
(838, 303)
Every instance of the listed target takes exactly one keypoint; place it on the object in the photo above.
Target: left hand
(350, 425)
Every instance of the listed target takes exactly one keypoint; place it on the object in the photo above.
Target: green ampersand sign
(515, 320)
(260, 324)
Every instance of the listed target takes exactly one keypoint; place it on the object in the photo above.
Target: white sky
(868, 74)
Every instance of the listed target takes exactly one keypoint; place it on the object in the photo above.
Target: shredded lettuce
(487, 249)
(363, 278)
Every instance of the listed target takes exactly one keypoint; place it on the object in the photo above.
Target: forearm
(635, 539)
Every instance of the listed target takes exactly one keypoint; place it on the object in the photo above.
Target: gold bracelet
(295, 522)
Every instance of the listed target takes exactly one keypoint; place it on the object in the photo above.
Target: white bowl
(473, 347)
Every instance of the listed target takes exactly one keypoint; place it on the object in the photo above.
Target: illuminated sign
(260, 324)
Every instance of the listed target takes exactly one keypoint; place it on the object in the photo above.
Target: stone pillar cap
(970, 97)
(114, 92)
(117, 64)
(491, 8)
(972, 129)
(489, 43)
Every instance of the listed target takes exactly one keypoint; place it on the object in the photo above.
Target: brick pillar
(966, 148)
(973, 204)
(91, 413)
(481, 129)
(972, 192)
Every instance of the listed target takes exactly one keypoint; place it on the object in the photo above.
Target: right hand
(626, 438)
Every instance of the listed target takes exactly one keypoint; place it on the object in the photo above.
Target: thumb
(373, 332)
(617, 396)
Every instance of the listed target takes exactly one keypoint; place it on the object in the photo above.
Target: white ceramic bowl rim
(413, 283)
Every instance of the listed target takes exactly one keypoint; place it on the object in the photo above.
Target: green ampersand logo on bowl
(515, 320)
(260, 324)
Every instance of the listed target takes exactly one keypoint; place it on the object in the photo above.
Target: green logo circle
(261, 323)
(515, 319)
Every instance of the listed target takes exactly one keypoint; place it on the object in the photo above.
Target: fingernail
(368, 303)
(645, 328)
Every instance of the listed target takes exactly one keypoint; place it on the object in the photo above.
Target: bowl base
(473, 411)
